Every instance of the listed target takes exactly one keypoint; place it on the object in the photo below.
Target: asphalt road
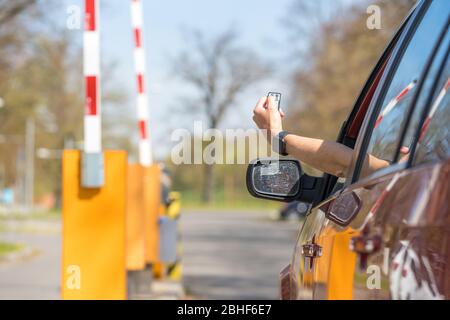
(37, 274)
(235, 255)
(226, 256)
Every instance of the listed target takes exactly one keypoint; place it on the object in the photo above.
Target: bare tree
(9, 10)
(219, 70)
(338, 53)
(41, 79)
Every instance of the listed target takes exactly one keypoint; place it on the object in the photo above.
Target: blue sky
(259, 23)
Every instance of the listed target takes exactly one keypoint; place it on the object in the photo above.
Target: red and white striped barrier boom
(434, 108)
(91, 54)
(393, 103)
(145, 155)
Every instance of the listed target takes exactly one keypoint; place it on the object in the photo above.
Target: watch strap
(278, 144)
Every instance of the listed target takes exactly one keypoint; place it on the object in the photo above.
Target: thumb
(271, 104)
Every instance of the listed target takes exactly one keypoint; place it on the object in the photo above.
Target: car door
(299, 273)
(344, 248)
(404, 191)
(420, 259)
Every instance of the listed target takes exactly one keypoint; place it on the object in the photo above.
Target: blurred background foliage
(328, 74)
(41, 79)
(339, 57)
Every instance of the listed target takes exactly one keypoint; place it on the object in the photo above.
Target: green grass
(237, 201)
(35, 215)
(7, 247)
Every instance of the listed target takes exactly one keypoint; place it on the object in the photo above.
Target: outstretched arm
(327, 156)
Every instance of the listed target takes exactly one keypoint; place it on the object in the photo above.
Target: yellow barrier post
(152, 199)
(93, 237)
(138, 277)
(135, 229)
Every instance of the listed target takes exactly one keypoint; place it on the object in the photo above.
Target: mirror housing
(344, 208)
(282, 180)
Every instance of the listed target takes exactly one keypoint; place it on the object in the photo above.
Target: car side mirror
(344, 208)
(282, 180)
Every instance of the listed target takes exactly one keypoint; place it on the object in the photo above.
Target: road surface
(235, 255)
(226, 256)
(36, 275)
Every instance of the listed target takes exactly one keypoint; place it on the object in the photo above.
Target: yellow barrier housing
(135, 228)
(93, 234)
(152, 200)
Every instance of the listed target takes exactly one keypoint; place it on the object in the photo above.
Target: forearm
(330, 157)
(372, 164)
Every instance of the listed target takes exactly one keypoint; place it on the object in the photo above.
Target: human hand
(404, 154)
(268, 117)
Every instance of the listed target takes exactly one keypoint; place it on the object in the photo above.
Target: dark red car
(385, 235)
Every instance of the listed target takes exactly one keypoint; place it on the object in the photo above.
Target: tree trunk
(208, 183)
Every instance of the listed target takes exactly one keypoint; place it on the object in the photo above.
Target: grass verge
(235, 202)
(7, 248)
(34, 215)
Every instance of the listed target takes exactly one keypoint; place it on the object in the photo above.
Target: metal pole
(29, 168)
(92, 171)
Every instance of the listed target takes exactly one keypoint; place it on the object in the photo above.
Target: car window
(424, 101)
(391, 118)
(434, 141)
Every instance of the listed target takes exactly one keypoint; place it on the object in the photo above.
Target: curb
(167, 290)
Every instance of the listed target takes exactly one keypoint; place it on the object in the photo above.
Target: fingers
(404, 150)
(261, 103)
(267, 103)
(271, 104)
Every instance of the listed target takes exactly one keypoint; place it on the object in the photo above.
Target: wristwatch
(278, 143)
